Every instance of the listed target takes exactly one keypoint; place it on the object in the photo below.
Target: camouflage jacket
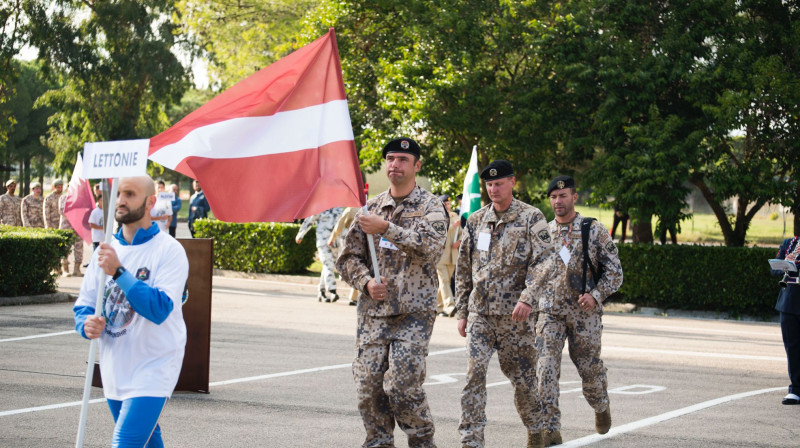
(325, 222)
(63, 222)
(407, 254)
(10, 210)
(503, 267)
(33, 211)
(564, 281)
(51, 215)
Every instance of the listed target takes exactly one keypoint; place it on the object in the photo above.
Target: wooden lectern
(197, 315)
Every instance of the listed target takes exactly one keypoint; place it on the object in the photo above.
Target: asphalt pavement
(280, 377)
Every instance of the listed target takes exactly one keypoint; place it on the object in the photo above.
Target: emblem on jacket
(143, 274)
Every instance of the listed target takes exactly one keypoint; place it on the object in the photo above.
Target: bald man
(141, 330)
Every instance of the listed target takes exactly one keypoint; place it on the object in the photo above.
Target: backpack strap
(586, 225)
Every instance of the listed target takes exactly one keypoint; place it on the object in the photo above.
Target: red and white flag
(80, 202)
(277, 146)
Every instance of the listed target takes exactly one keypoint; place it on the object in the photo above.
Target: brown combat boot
(552, 437)
(602, 421)
(535, 439)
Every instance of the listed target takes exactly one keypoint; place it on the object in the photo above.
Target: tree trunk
(642, 229)
(796, 210)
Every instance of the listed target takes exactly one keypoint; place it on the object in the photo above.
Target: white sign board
(166, 196)
(122, 158)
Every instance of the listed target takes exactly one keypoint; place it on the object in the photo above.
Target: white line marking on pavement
(45, 335)
(217, 383)
(633, 426)
(48, 407)
(242, 293)
(698, 354)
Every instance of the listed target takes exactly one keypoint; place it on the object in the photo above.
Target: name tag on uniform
(565, 256)
(386, 244)
(484, 238)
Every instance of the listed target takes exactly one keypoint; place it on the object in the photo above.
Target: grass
(704, 228)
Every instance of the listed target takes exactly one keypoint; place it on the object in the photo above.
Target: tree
(239, 38)
(116, 63)
(25, 141)
(11, 40)
(754, 142)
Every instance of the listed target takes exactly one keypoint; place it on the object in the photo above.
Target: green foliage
(25, 141)
(240, 38)
(258, 247)
(116, 62)
(31, 259)
(705, 278)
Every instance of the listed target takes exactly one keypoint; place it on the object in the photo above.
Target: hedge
(735, 280)
(31, 259)
(258, 247)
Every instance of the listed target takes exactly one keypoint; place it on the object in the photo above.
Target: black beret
(498, 169)
(559, 183)
(444, 197)
(402, 144)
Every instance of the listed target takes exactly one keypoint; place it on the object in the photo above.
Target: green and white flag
(471, 196)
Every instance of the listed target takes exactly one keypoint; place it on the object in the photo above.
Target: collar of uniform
(140, 237)
(388, 201)
(509, 215)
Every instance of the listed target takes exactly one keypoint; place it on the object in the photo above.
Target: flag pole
(370, 242)
(87, 385)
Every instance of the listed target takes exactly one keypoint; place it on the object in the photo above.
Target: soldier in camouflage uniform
(77, 248)
(568, 313)
(497, 282)
(336, 242)
(395, 316)
(10, 206)
(33, 207)
(325, 222)
(51, 215)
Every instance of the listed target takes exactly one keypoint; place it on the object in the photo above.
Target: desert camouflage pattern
(10, 210)
(515, 346)
(417, 228)
(325, 222)
(77, 248)
(393, 334)
(447, 266)
(491, 282)
(560, 318)
(33, 211)
(51, 215)
(389, 370)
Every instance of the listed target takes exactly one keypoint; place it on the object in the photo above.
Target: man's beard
(131, 216)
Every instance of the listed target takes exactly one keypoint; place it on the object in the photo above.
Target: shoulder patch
(440, 228)
(611, 247)
(544, 235)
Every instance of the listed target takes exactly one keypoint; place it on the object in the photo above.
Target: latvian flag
(275, 147)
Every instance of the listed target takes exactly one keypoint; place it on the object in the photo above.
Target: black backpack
(586, 225)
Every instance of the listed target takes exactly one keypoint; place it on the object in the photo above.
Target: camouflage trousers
(389, 370)
(327, 279)
(515, 345)
(77, 254)
(583, 330)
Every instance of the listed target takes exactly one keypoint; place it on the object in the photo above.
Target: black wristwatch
(120, 270)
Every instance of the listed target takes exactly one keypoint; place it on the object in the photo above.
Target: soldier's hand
(107, 258)
(377, 290)
(298, 240)
(521, 312)
(94, 326)
(586, 302)
(462, 327)
(373, 224)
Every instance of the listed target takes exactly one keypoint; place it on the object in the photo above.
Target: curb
(56, 297)
(302, 279)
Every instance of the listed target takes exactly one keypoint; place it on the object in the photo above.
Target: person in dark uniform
(789, 307)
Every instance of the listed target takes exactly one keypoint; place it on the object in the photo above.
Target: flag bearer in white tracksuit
(141, 329)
